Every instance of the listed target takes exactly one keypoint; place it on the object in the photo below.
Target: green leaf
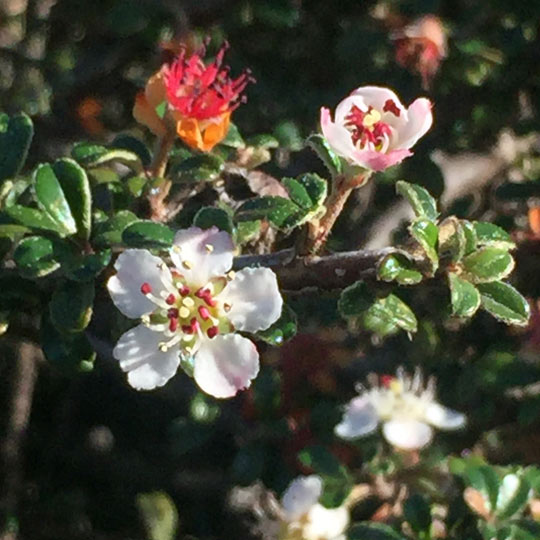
(491, 235)
(278, 210)
(464, 295)
(71, 305)
(398, 268)
(418, 514)
(209, 216)
(452, 239)
(12, 231)
(246, 231)
(70, 353)
(321, 147)
(487, 264)
(315, 186)
(148, 234)
(110, 232)
(426, 233)
(423, 204)
(282, 330)
(484, 479)
(132, 144)
(202, 168)
(355, 299)
(159, 515)
(263, 141)
(387, 315)
(35, 256)
(513, 496)
(94, 155)
(52, 201)
(85, 267)
(504, 303)
(373, 531)
(15, 137)
(319, 459)
(35, 219)
(471, 239)
(76, 188)
(297, 193)
(233, 139)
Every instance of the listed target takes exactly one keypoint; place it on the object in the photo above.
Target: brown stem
(157, 198)
(23, 391)
(341, 190)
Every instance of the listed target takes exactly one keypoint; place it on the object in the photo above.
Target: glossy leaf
(315, 186)
(233, 139)
(321, 147)
(132, 144)
(373, 531)
(278, 210)
(417, 513)
(52, 200)
(487, 264)
(247, 231)
(209, 216)
(484, 479)
(297, 193)
(355, 299)
(202, 168)
(110, 232)
(94, 155)
(513, 496)
(504, 303)
(71, 306)
(35, 256)
(425, 232)
(387, 315)
(423, 204)
(76, 188)
(33, 218)
(148, 234)
(398, 268)
(16, 134)
(159, 515)
(489, 234)
(464, 296)
(85, 267)
(452, 239)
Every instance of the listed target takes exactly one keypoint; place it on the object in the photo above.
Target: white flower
(406, 409)
(373, 130)
(192, 311)
(305, 518)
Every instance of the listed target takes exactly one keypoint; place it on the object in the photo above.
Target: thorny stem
(342, 187)
(157, 170)
(23, 391)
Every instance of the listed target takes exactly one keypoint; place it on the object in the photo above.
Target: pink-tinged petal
(344, 108)
(303, 492)
(135, 267)
(226, 364)
(420, 120)
(254, 299)
(200, 254)
(377, 96)
(360, 419)
(444, 418)
(407, 434)
(337, 136)
(377, 161)
(140, 356)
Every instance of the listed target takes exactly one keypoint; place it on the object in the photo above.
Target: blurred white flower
(406, 408)
(373, 130)
(192, 311)
(305, 518)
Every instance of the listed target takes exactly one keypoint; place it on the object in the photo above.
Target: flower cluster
(406, 408)
(197, 98)
(373, 130)
(304, 518)
(192, 311)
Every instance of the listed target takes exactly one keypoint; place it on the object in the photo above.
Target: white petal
(326, 522)
(407, 434)
(344, 108)
(377, 96)
(254, 298)
(146, 365)
(303, 492)
(360, 419)
(226, 364)
(135, 267)
(444, 418)
(201, 254)
(337, 136)
(419, 121)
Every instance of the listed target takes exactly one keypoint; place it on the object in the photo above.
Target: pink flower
(373, 130)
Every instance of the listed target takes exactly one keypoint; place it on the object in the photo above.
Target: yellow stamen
(371, 118)
(187, 265)
(184, 312)
(231, 275)
(209, 248)
(188, 302)
(396, 386)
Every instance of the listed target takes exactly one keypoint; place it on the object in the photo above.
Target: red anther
(184, 290)
(173, 325)
(390, 106)
(386, 380)
(204, 313)
(206, 296)
(201, 293)
(172, 313)
(146, 288)
(171, 299)
(187, 329)
(213, 331)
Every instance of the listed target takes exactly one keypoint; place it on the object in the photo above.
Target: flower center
(368, 130)
(185, 314)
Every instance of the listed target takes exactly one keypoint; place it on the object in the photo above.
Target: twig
(21, 404)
